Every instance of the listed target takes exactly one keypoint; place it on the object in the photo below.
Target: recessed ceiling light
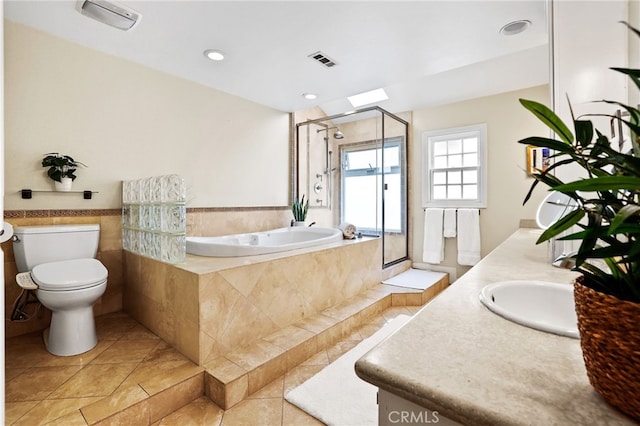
(214, 55)
(309, 96)
(369, 97)
(515, 27)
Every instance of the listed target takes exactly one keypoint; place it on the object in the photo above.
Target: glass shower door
(393, 186)
(364, 174)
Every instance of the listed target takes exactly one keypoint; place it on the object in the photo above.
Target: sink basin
(541, 305)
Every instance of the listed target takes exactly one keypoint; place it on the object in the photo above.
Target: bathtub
(274, 241)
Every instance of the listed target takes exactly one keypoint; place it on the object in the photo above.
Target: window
(362, 182)
(454, 171)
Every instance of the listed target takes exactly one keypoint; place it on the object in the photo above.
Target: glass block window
(154, 217)
(454, 167)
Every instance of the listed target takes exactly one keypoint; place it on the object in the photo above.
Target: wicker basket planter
(610, 340)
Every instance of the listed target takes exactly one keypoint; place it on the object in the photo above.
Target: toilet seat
(69, 274)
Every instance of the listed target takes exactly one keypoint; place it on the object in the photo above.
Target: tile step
(231, 378)
(133, 406)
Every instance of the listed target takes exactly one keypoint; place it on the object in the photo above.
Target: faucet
(566, 261)
(558, 257)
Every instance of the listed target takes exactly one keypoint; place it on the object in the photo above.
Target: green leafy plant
(299, 209)
(60, 166)
(608, 210)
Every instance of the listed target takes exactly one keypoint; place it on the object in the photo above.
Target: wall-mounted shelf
(27, 194)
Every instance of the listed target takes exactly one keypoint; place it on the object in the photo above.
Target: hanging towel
(433, 245)
(468, 236)
(449, 223)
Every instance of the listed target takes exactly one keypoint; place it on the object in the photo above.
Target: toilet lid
(69, 274)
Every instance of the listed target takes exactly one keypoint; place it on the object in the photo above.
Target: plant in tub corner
(61, 169)
(606, 223)
(299, 209)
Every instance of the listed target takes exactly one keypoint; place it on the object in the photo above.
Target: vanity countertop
(470, 365)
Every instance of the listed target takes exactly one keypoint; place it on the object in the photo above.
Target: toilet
(58, 262)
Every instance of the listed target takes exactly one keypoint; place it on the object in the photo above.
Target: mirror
(553, 207)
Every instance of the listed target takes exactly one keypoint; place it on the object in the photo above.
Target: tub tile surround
(240, 300)
(213, 222)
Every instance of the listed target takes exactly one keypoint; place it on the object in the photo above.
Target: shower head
(337, 135)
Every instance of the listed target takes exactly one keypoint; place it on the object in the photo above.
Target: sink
(541, 305)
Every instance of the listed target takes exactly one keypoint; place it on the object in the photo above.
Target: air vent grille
(323, 59)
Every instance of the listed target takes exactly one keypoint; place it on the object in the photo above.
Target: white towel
(468, 236)
(433, 244)
(449, 223)
(348, 230)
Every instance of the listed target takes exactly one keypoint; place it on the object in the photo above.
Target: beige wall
(507, 122)
(126, 121)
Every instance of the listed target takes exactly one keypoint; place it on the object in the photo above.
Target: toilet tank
(33, 245)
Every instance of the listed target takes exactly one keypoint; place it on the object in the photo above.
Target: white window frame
(377, 171)
(428, 140)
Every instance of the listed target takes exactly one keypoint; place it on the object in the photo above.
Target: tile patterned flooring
(131, 364)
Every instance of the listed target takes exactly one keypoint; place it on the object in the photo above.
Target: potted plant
(61, 169)
(606, 223)
(299, 210)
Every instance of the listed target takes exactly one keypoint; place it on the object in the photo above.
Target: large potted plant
(61, 169)
(606, 223)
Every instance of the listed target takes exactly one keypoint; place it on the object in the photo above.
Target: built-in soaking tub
(273, 241)
(207, 307)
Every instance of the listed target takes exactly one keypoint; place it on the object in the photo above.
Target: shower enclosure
(353, 168)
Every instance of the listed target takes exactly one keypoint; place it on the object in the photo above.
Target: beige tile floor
(131, 364)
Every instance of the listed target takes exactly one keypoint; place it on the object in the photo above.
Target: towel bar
(425, 208)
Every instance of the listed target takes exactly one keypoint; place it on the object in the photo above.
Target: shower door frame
(404, 173)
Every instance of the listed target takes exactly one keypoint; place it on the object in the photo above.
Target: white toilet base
(71, 332)
(73, 329)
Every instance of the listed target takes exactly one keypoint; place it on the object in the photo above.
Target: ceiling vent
(323, 59)
(110, 13)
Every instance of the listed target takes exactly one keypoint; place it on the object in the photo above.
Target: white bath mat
(415, 278)
(336, 396)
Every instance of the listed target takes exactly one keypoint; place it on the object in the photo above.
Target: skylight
(367, 98)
